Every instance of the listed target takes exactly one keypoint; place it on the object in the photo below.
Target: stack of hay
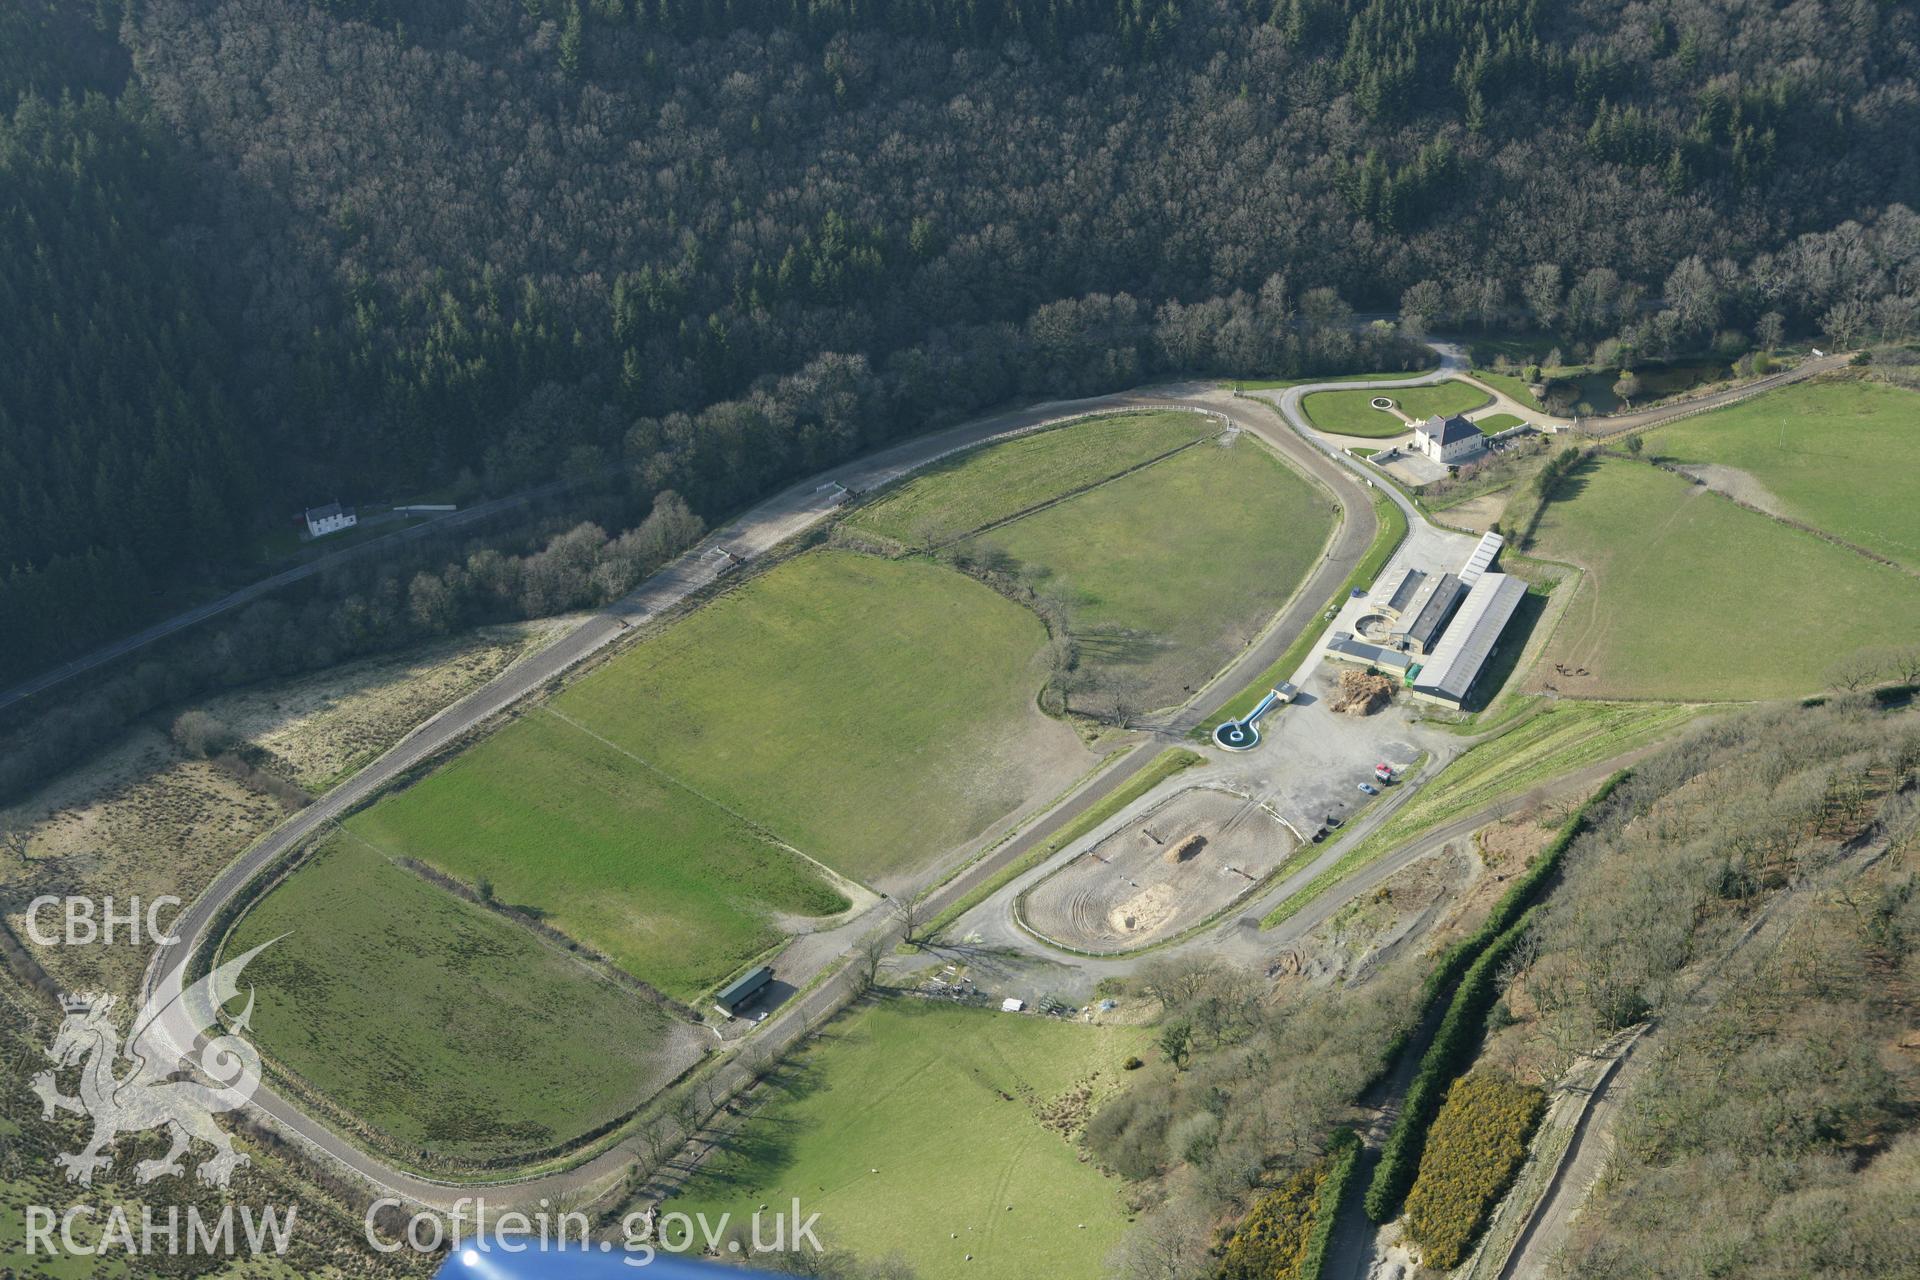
(1362, 693)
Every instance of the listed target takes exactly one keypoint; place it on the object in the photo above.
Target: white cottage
(331, 518)
(1449, 440)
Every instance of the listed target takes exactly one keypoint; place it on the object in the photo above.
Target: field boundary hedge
(1455, 960)
(1473, 962)
(1447, 1057)
(1343, 1150)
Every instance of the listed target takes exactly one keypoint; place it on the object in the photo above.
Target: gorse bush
(1453, 1047)
(1475, 961)
(1271, 1242)
(1475, 1148)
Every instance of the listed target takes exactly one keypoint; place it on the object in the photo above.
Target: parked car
(1370, 789)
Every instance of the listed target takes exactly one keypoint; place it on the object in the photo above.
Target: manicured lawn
(1833, 454)
(1691, 597)
(1559, 739)
(1494, 423)
(870, 712)
(448, 1029)
(1351, 413)
(672, 887)
(981, 486)
(911, 1127)
(1166, 573)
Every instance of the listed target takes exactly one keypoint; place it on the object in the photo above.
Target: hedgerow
(1343, 1159)
(1518, 897)
(1452, 1050)
(1475, 1148)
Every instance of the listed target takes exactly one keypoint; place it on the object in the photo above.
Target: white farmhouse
(331, 518)
(1450, 440)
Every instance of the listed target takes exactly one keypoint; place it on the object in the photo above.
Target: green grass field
(670, 886)
(869, 712)
(976, 488)
(1494, 423)
(1558, 739)
(1388, 533)
(1827, 453)
(1689, 597)
(452, 1032)
(1351, 413)
(910, 1127)
(1166, 573)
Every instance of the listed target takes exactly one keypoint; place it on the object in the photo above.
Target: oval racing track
(749, 536)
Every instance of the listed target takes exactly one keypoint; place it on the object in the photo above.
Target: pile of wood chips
(1362, 693)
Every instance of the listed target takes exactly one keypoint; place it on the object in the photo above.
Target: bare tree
(1169, 1244)
(1854, 673)
(1905, 663)
(911, 913)
(867, 958)
(660, 1139)
(15, 831)
(1178, 982)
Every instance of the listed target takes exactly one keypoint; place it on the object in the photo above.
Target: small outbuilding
(331, 518)
(743, 990)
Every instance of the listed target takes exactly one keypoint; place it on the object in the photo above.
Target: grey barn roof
(1450, 429)
(323, 513)
(1482, 558)
(1463, 651)
(1435, 612)
(1373, 655)
(1403, 589)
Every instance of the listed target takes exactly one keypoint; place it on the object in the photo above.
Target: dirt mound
(1362, 694)
(1187, 848)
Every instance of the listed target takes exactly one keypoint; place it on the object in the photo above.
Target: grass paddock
(457, 1035)
(1690, 597)
(911, 1127)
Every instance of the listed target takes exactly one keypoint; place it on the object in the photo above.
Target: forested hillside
(358, 248)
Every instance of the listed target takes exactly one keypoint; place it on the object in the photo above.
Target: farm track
(752, 534)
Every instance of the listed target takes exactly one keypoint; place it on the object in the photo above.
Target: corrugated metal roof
(1482, 558)
(1344, 644)
(1435, 612)
(1457, 659)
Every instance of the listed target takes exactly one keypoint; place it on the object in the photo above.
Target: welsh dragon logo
(149, 1096)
